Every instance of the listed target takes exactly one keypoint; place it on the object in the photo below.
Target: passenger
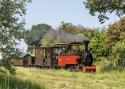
(47, 59)
(69, 52)
(79, 52)
(60, 51)
(44, 59)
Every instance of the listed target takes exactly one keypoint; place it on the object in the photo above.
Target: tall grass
(63, 79)
(11, 82)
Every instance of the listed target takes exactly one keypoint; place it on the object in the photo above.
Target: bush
(118, 53)
(99, 45)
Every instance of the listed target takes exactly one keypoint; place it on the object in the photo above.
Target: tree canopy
(102, 7)
(11, 27)
(115, 32)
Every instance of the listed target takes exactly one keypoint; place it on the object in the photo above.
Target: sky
(53, 12)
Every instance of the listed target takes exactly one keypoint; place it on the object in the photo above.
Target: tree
(116, 41)
(118, 53)
(98, 44)
(36, 33)
(115, 32)
(87, 32)
(11, 28)
(102, 7)
(76, 29)
(68, 27)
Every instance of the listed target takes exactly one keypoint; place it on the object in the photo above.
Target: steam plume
(55, 36)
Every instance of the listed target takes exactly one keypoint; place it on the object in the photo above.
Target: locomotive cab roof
(46, 47)
(75, 43)
(61, 44)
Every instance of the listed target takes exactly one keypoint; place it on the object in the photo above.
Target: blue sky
(53, 12)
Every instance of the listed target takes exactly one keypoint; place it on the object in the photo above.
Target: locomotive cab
(77, 56)
(72, 54)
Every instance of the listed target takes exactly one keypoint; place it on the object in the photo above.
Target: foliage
(98, 43)
(102, 7)
(87, 32)
(116, 37)
(67, 27)
(11, 26)
(118, 53)
(115, 32)
(36, 33)
(75, 29)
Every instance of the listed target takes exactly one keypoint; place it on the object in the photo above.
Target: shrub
(118, 53)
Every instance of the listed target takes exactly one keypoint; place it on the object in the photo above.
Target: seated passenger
(60, 51)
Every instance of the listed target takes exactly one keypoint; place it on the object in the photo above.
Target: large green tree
(115, 32)
(11, 28)
(102, 7)
(36, 33)
(116, 41)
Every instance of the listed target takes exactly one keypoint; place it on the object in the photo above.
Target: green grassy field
(31, 78)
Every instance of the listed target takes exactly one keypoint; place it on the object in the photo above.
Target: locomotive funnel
(86, 43)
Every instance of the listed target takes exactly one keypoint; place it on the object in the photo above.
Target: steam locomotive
(73, 56)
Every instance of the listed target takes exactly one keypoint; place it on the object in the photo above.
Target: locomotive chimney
(86, 43)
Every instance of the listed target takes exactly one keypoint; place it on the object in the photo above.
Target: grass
(11, 82)
(64, 79)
